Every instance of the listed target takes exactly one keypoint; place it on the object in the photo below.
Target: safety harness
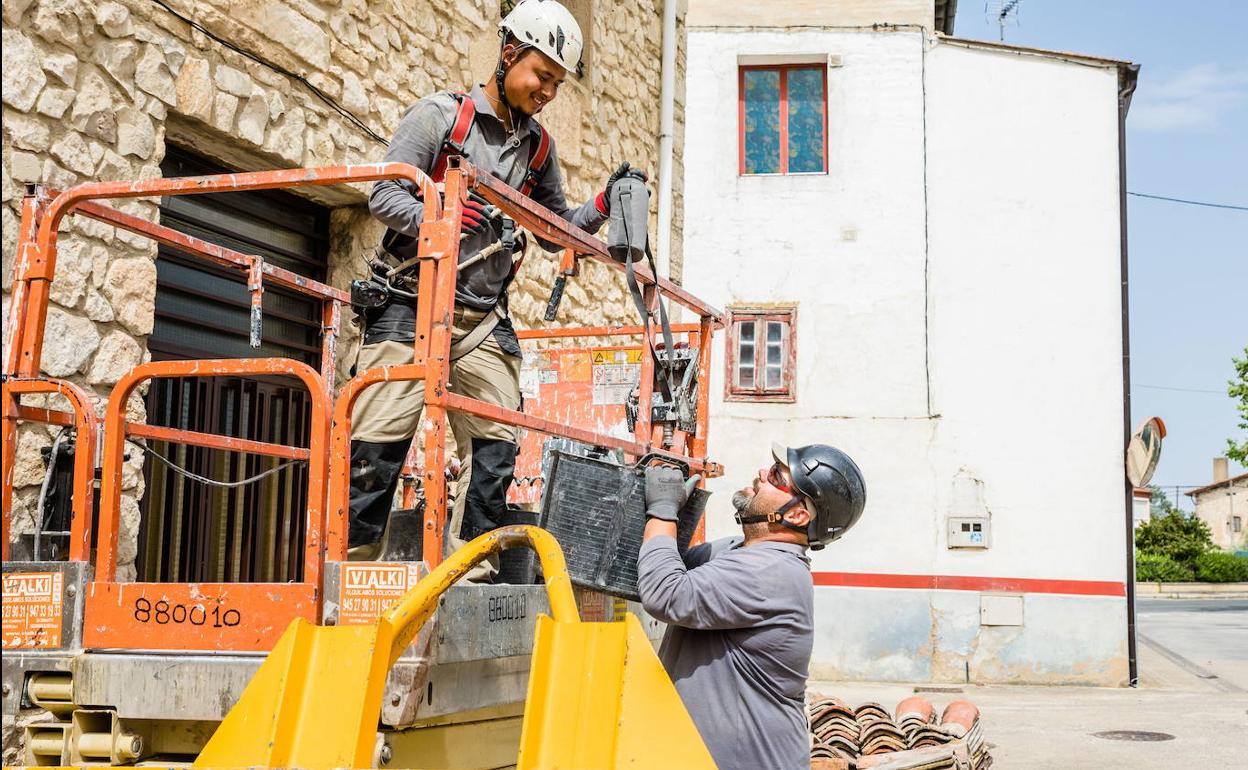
(404, 246)
(396, 243)
(454, 145)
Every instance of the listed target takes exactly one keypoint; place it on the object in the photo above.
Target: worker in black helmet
(740, 611)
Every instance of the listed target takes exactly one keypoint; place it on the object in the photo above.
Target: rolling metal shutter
(191, 531)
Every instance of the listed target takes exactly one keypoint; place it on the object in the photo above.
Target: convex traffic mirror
(1144, 451)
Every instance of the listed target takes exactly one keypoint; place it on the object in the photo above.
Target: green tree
(1159, 503)
(1177, 535)
(1237, 388)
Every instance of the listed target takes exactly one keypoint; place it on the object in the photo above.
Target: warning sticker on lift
(530, 376)
(32, 610)
(536, 369)
(370, 589)
(615, 372)
(597, 607)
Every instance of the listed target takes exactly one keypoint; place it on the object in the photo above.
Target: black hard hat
(832, 482)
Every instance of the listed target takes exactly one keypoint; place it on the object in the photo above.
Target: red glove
(602, 201)
(472, 220)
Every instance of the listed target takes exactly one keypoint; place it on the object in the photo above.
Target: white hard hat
(550, 28)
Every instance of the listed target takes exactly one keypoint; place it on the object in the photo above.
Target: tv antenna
(1002, 11)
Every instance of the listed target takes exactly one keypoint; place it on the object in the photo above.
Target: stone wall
(96, 90)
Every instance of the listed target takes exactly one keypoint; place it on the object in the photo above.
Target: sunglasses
(780, 478)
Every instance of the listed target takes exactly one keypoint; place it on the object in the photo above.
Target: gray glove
(666, 491)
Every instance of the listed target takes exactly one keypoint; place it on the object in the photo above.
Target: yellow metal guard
(598, 696)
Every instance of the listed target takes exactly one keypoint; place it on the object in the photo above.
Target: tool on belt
(398, 281)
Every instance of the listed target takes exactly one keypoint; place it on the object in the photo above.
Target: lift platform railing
(438, 251)
(411, 467)
(83, 420)
(194, 616)
(438, 256)
(122, 615)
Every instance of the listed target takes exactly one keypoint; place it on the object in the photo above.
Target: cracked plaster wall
(958, 332)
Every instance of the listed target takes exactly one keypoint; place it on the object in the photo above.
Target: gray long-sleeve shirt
(737, 646)
(418, 141)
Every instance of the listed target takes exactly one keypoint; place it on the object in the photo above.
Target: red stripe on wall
(971, 583)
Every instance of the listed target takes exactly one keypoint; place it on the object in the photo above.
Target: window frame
(784, 117)
(784, 314)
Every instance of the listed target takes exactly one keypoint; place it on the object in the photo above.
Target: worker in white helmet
(494, 126)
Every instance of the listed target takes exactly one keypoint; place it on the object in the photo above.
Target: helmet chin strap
(775, 517)
(500, 75)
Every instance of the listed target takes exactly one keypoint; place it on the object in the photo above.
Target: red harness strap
(537, 161)
(453, 144)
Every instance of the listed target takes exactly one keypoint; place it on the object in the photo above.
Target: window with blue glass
(783, 119)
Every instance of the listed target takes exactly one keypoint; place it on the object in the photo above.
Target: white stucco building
(929, 273)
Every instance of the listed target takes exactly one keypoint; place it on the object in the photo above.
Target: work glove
(473, 220)
(603, 201)
(666, 491)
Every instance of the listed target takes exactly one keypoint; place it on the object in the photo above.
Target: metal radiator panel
(596, 510)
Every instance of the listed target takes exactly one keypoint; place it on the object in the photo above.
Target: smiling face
(532, 80)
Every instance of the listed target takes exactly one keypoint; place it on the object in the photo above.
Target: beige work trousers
(391, 411)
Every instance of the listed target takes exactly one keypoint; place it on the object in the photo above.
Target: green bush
(1221, 567)
(1177, 535)
(1159, 568)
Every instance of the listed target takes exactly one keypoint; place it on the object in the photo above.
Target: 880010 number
(163, 613)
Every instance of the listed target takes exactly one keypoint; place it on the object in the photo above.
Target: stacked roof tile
(911, 738)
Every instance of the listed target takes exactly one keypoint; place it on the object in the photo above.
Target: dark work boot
(375, 467)
(493, 468)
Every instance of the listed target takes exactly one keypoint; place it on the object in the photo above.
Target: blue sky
(1187, 137)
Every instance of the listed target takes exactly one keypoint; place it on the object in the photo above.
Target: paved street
(1193, 695)
(1208, 637)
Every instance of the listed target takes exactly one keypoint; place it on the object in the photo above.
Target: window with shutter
(762, 354)
(191, 531)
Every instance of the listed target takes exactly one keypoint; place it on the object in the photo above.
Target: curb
(1192, 590)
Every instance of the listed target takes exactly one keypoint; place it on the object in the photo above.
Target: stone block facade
(96, 91)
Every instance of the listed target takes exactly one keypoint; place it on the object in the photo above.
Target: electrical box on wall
(1000, 609)
(969, 531)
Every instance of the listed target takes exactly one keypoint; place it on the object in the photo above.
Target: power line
(1189, 203)
(1181, 390)
(318, 93)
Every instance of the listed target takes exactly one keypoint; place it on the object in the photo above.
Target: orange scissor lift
(135, 669)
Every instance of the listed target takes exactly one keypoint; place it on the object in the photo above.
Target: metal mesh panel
(596, 510)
